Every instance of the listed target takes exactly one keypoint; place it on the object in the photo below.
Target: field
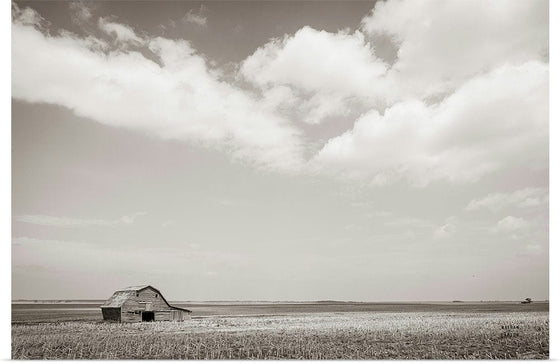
(289, 331)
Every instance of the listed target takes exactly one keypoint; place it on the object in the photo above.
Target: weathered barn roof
(119, 297)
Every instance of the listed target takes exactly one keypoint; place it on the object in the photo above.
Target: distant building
(141, 303)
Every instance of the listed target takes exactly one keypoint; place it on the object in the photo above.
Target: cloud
(510, 224)
(194, 18)
(322, 70)
(459, 102)
(527, 197)
(484, 119)
(494, 121)
(19, 241)
(62, 221)
(80, 12)
(27, 16)
(404, 221)
(306, 59)
(442, 44)
(177, 98)
(123, 33)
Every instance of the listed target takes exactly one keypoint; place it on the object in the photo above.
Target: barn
(141, 303)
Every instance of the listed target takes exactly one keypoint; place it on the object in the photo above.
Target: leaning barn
(141, 303)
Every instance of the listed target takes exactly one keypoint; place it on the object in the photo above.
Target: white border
(5, 158)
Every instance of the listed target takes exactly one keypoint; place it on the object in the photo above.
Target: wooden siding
(138, 302)
(177, 315)
(131, 316)
(134, 303)
(168, 315)
(162, 316)
(132, 308)
(111, 313)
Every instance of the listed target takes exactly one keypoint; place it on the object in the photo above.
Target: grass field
(297, 331)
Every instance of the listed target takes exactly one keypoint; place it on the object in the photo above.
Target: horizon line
(288, 301)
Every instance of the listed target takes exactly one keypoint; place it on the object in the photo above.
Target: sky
(280, 150)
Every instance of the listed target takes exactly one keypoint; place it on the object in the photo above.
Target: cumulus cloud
(491, 80)
(323, 70)
(467, 94)
(180, 98)
(122, 33)
(442, 44)
(527, 197)
(306, 60)
(494, 121)
(27, 16)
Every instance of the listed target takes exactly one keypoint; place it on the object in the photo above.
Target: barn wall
(162, 316)
(176, 315)
(131, 316)
(132, 308)
(134, 305)
(111, 313)
(146, 295)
